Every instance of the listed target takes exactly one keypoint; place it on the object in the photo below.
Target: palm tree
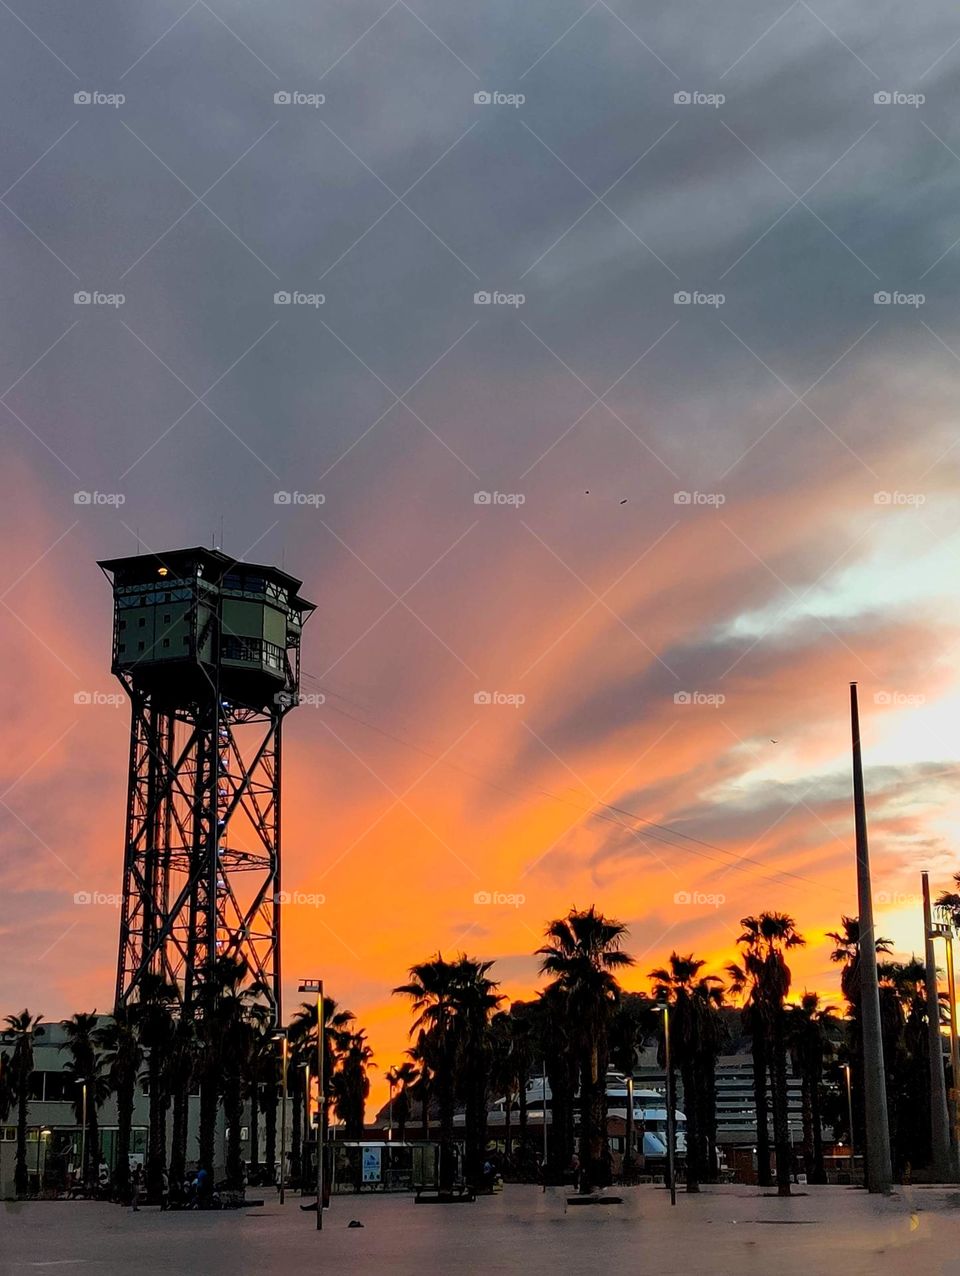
(810, 1044)
(765, 977)
(557, 1043)
(432, 988)
(122, 1060)
(263, 1100)
(633, 1020)
(522, 1039)
(582, 953)
(24, 1028)
(476, 1000)
(351, 1085)
(231, 1014)
(179, 1072)
(401, 1079)
(91, 1086)
(303, 1036)
(421, 1087)
(152, 1014)
(692, 998)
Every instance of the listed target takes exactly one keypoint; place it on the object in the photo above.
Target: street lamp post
(664, 1009)
(846, 1071)
(316, 985)
(83, 1138)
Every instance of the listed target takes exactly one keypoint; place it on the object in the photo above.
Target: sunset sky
(813, 428)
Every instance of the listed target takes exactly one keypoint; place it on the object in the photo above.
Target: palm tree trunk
(254, 1133)
(781, 1126)
(818, 1173)
(270, 1125)
(178, 1137)
(594, 1141)
(507, 1133)
(425, 1115)
(93, 1139)
(208, 1124)
(20, 1176)
(121, 1171)
(445, 1097)
(692, 1106)
(157, 1147)
(707, 1086)
(233, 1114)
(759, 1051)
(296, 1128)
(806, 1107)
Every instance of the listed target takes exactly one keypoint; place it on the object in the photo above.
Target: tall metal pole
(879, 1171)
(939, 1120)
(671, 1105)
(284, 1054)
(321, 1106)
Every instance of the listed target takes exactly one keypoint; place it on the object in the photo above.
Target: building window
(140, 646)
(142, 622)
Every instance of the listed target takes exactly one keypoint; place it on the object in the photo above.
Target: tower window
(166, 642)
(142, 622)
(140, 646)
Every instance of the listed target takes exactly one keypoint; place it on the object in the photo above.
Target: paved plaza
(734, 1230)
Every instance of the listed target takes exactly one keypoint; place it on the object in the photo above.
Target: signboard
(371, 1165)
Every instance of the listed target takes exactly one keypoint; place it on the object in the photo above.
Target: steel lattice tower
(208, 650)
